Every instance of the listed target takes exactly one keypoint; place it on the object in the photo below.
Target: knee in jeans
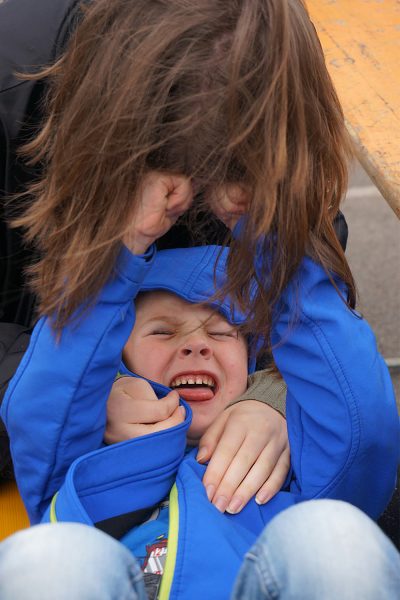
(53, 544)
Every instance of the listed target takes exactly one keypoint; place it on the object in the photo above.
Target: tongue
(200, 394)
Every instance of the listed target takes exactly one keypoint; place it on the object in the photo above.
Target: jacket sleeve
(265, 386)
(53, 410)
(341, 411)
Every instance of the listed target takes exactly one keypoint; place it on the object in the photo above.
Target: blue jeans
(321, 549)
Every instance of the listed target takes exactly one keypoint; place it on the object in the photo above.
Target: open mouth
(195, 387)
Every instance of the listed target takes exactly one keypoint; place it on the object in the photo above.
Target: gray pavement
(373, 252)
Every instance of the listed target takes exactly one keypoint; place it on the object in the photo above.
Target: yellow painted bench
(13, 515)
(361, 41)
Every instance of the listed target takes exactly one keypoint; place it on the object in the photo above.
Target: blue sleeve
(53, 411)
(341, 410)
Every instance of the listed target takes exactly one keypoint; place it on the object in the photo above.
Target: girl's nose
(197, 347)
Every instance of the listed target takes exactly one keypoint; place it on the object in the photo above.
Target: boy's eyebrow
(168, 318)
(213, 319)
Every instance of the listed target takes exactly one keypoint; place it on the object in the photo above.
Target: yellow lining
(53, 516)
(173, 530)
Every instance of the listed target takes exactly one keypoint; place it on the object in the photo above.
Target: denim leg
(65, 561)
(321, 549)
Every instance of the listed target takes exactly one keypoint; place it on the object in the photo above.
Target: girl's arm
(55, 406)
(342, 419)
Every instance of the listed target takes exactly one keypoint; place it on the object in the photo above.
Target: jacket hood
(195, 275)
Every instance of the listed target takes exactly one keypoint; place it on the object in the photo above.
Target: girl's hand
(229, 202)
(248, 450)
(133, 410)
(163, 199)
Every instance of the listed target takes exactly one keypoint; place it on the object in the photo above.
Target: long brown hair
(218, 90)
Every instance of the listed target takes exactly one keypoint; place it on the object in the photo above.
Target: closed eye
(162, 332)
(232, 333)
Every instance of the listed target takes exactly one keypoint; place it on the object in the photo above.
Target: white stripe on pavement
(362, 191)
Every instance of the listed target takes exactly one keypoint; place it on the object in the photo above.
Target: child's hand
(248, 449)
(164, 198)
(133, 410)
(229, 202)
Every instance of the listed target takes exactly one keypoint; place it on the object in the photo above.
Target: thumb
(170, 402)
(172, 397)
(210, 438)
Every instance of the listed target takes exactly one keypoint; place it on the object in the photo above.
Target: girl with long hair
(229, 95)
(230, 106)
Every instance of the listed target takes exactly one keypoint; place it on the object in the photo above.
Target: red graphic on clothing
(155, 557)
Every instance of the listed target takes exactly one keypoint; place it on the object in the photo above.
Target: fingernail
(221, 503)
(210, 489)
(262, 497)
(202, 453)
(235, 506)
(183, 411)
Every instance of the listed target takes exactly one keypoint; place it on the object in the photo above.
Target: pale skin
(246, 444)
(178, 344)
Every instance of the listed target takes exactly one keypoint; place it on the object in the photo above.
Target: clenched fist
(133, 410)
(163, 198)
(229, 202)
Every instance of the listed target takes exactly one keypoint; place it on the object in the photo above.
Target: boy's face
(190, 348)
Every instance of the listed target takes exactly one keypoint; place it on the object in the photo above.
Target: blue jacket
(342, 420)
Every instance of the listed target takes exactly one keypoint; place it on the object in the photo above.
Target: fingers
(119, 404)
(229, 203)
(179, 195)
(133, 409)
(127, 431)
(223, 456)
(154, 412)
(161, 199)
(250, 455)
(139, 429)
(209, 440)
(233, 475)
(264, 479)
(276, 479)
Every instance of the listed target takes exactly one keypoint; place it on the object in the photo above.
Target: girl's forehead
(168, 306)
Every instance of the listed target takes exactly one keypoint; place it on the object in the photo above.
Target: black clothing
(32, 35)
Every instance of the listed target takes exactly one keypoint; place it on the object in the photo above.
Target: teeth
(193, 380)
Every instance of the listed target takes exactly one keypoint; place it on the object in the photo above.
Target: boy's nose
(196, 347)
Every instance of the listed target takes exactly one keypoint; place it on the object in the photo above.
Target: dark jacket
(32, 35)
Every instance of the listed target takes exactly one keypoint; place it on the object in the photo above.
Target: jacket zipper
(53, 515)
(173, 532)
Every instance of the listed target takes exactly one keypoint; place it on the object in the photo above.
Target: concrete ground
(373, 252)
